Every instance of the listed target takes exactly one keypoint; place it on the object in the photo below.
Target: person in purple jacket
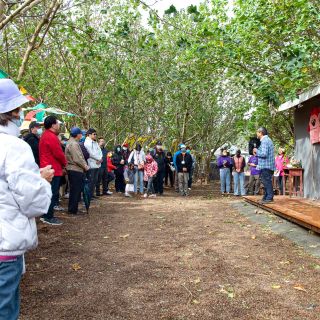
(224, 164)
(254, 180)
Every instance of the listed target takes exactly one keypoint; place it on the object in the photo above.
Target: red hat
(126, 145)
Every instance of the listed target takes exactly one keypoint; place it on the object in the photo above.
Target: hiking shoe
(153, 195)
(128, 195)
(58, 208)
(109, 193)
(53, 221)
(145, 195)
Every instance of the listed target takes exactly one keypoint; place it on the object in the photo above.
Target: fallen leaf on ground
(125, 236)
(76, 267)
(300, 288)
(106, 237)
(43, 258)
(275, 286)
(198, 280)
(254, 237)
(195, 301)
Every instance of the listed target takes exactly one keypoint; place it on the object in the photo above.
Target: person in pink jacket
(281, 164)
(150, 172)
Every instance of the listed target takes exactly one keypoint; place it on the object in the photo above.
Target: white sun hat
(10, 96)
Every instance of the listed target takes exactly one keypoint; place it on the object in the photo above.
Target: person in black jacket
(33, 138)
(184, 166)
(160, 157)
(119, 161)
(169, 170)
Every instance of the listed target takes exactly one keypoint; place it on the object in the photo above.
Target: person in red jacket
(110, 173)
(51, 153)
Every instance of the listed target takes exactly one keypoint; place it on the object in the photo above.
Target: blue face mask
(39, 132)
(188, 151)
(83, 138)
(17, 122)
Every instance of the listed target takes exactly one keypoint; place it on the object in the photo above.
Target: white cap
(10, 96)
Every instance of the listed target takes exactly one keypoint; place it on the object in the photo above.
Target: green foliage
(198, 75)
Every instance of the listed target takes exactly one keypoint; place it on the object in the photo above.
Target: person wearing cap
(24, 195)
(51, 153)
(95, 159)
(76, 168)
(33, 138)
(160, 157)
(184, 166)
(176, 180)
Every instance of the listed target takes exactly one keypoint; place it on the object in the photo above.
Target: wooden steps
(301, 211)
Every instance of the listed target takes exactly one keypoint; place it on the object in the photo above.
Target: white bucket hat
(10, 96)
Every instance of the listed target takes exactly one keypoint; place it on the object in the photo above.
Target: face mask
(183, 150)
(17, 122)
(188, 151)
(39, 132)
(125, 148)
(82, 139)
(118, 149)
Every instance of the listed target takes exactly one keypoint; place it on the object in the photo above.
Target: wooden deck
(301, 211)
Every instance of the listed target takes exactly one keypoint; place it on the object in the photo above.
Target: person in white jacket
(24, 195)
(95, 159)
(138, 158)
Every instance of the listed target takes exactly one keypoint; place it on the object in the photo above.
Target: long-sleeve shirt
(224, 162)
(94, 152)
(265, 154)
(110, 166)
(281, 164)
(74, 155)
(253, 170)
(51, 153)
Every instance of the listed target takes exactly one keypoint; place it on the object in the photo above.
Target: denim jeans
(225, 180)
(266, 179)
(150, 187)
(139, 176)
(55, 186)
(10, 275)
(238, 179)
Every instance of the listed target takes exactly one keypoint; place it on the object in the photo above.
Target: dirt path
(168, 258)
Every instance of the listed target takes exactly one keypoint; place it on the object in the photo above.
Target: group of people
(34, 167)
(84, 156)
(262, 164)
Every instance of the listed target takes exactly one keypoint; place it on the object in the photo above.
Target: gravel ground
(168, 258)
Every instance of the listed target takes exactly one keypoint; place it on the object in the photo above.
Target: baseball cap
(75, 131)
(10, 96)
(34, 124)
